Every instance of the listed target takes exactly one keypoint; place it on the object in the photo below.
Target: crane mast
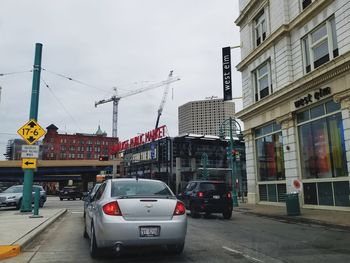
(116, 98)
(162, 103)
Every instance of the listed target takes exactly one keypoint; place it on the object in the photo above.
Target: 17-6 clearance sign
(31, 132)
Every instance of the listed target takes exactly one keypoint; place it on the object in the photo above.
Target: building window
(321, 139)
(89, 148)
(262, 81)
(71, 148)
(260, 28)
(306, 3)
(269, 151)
(63, 148)
(320, 46)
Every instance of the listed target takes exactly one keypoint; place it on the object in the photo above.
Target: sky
(128, 44)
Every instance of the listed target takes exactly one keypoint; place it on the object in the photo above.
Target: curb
(27, 238)
(297, 219)
(15, 248)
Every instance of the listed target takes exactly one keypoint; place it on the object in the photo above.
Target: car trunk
(214, 193)
(147, 209)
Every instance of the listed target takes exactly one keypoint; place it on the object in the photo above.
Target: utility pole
(34, 105)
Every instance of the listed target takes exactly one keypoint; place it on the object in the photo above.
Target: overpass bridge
(58, 170)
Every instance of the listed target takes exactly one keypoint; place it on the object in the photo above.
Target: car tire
(193, 212)
(74, 198)
(61, 199)
(227, 214)
(176, 248)
(41, 202)
(85, 235)
(18, 206)
(94, 250)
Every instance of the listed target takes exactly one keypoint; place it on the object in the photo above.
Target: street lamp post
(234, 126)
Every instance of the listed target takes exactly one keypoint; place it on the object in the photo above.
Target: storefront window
(270, 160)
(322, 144)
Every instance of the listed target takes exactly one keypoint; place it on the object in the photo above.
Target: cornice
(315, 78)
(302, 18)
(247, 10)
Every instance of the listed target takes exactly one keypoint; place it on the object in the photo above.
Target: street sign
(30, 151)
(31, 132)
(29, 163)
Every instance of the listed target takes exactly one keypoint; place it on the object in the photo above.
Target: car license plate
(216, 196)
(149, 231)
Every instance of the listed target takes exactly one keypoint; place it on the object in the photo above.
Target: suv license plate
(216, 196)
(149, 231)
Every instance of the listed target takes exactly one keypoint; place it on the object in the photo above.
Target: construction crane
(116, 98)
(162, 103)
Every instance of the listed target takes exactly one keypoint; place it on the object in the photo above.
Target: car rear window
(213, 187)
(139, 188)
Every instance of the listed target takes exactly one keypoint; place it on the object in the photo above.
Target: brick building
(79, 146)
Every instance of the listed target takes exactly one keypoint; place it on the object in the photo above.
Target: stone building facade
(295, 61)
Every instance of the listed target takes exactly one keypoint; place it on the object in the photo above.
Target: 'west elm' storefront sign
(310, 98)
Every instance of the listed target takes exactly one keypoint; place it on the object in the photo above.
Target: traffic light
(103, 158)
(236, 155)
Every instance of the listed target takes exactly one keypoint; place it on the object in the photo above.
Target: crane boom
(116, 98)
(162, 103)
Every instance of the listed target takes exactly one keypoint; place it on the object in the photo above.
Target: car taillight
(229, 195)
(112, 209)
(200, 194)
(179, 209)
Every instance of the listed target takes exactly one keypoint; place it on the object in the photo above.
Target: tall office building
(296, 107)
(204, 116)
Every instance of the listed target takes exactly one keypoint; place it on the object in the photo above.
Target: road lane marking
(77, 212)
(242, 254)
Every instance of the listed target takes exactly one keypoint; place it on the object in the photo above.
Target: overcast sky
(112, 43)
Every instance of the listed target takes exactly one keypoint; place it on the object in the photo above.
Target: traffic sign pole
(34, 105)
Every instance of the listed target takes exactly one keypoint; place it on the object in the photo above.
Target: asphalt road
(244, 238)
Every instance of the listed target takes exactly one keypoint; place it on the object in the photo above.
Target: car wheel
(94, 251)
(85, 235)
(227, 214)
(193, 212)
(18, 206)
(61, 199)
(74, 198)
(41, 202)
(176, 249)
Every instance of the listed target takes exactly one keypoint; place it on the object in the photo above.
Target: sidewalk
(336, 219)
(18, 229)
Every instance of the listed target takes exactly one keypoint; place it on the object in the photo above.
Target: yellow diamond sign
(31, 132)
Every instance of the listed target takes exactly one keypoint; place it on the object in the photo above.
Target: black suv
(207, 197)
(70, 192)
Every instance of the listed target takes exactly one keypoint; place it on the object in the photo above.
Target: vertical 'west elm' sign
(226, 70)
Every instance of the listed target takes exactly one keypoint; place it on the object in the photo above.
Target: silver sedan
(135, 212)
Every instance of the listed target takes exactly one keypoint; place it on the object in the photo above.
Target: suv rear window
(213, 187)
(139, 188)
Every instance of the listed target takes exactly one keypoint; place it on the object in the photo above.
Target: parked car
(70, 192)
(13, 195)
(207, 197)
(89, 196)
(131, 212)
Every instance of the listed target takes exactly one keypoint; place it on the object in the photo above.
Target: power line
(93, 86)
(62, 105)
(15, 72)
(74, 80)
